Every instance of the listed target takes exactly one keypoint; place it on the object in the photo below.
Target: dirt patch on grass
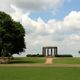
(49, 60)
(39, 65)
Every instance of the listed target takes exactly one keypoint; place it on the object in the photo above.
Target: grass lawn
(56, 60)
(37, 73)
(28, 60)
(66, 60)
(41, 73)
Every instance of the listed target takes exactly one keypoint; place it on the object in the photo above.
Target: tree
(11, 36)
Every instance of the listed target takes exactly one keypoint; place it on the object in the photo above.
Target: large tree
(11, 36)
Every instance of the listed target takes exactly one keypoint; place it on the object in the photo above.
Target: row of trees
(11, 36)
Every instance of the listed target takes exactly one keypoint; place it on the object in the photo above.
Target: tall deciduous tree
(11, 36)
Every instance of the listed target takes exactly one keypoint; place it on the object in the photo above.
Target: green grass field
(31, 60)
(39, 73)
(66, 60)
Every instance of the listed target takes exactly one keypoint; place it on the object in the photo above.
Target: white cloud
(5, 5)
(38, 5)
(17, 14)
(73, 37)
(30, 5)
(72, 20)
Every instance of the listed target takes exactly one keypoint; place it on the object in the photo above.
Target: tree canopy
(11, 36)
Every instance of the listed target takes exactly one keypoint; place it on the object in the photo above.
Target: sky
(47, 23)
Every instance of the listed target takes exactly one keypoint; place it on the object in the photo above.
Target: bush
(65, 55)
(35, 55)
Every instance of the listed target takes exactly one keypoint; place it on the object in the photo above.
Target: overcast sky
(47, 23)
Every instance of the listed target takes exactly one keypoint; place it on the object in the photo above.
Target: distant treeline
(35, 55)
(40, 55)
(65, 55)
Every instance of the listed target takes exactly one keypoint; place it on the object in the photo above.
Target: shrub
(35, 55)
(65, 55)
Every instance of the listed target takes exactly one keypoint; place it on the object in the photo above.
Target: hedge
(35, 55)
(65, 55)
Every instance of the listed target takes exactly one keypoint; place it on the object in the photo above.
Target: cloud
(40, 5)
(5, 5)
(30, 5)
(17, 13)
(72, 20)
(70, 24)
(73, 37)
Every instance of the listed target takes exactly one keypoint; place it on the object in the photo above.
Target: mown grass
(34, 60)
(28, 60)
(66, 60)
(39, 73)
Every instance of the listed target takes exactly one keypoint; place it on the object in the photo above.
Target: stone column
(47, 51)
(43, 51)
(51, 52)
(55, 51)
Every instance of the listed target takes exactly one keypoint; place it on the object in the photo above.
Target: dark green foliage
(65, 55)
(35, 55)
(11, 36)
